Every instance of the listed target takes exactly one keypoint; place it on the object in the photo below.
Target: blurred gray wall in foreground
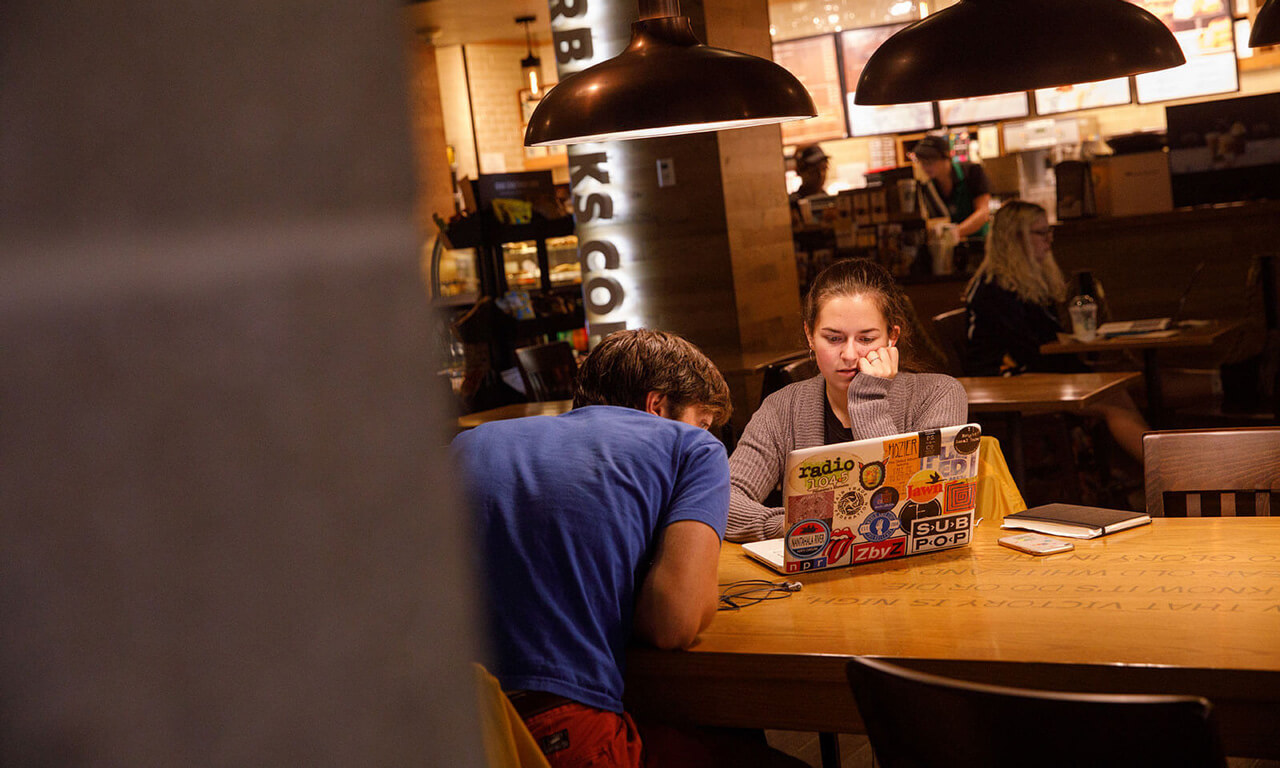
(229, 535)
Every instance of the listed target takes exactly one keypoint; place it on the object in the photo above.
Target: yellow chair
(998, 494)
(507, 742)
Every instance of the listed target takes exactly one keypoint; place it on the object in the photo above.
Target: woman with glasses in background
(1013, 301)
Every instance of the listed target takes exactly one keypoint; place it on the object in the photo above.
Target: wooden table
(1015, 396)
(515, 411)
(1179, 606)
(1187, 336)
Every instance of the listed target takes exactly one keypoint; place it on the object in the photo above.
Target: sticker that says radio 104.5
(823, 474)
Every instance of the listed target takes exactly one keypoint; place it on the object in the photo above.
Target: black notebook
(1074, 520)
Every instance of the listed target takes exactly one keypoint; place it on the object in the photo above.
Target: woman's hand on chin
(881, 363)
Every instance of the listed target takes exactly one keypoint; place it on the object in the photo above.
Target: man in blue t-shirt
(603, 526)
(597, 526)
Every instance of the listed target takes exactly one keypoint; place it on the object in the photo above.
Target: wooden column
(708, 257)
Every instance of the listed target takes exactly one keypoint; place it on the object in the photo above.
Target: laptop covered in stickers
(875, 499)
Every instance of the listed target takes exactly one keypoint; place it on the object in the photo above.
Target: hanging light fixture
(530, 65)
(984, 47)
(665, 83)
(1266, 25)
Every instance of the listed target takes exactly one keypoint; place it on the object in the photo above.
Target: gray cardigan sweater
(793, 417)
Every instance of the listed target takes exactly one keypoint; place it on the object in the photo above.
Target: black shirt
(832, 430)
(1002, 323)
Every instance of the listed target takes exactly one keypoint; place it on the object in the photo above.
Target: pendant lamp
(665, 83)
(530, 65)
(983, 47)
(1266, 25)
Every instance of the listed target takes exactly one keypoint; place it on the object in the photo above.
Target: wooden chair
(1213, 472)
(548, 371)
(952, 330)
(919, 720)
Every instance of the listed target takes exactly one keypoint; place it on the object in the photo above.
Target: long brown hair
(864, 277)
(1009, 262)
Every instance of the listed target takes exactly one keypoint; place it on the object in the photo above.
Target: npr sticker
(800, 566)
(925, 485)
(878, 526)
(942, 532)
(961, 496)
(808, 537)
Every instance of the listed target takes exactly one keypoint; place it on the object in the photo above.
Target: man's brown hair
(627, 365)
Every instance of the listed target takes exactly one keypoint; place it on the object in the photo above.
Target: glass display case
(520, 263)
(562, 255)
(523, 267)
(458, 278)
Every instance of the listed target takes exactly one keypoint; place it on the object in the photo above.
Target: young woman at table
(855, 320)
(1013, 308)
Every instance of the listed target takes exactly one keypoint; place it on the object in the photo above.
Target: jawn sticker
(925, 485)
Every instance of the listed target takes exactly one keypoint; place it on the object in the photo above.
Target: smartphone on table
(1036, 544)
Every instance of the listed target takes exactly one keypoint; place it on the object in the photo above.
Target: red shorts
(573, 735)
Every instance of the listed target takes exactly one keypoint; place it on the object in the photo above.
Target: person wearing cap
(811, 166)
(962, 187)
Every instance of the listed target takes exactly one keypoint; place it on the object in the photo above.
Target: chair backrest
(1213, 472)
(548, 371)
(788, 370)
(920, 720)
(952, 329)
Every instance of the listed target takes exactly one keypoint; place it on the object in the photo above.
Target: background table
(1205, 335)
(1015, 396)
(1179, 606)
(515, 411)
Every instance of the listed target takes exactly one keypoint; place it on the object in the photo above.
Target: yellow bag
(998, 494)
(507, 742)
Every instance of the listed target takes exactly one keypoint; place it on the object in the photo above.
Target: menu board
(983, 109)
(856, 47)
(1068, 98)
(1205, 32)
(813, 61)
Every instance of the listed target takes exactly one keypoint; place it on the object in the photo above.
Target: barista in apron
(964, 189)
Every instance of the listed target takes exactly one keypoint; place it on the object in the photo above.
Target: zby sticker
(961, 496)
(885, 499)
(924, 485)
(878, 526)
(808, 537)
(851, 504)
(967, 439)
(872, 475)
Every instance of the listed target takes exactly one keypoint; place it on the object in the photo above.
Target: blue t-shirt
(569, 509)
